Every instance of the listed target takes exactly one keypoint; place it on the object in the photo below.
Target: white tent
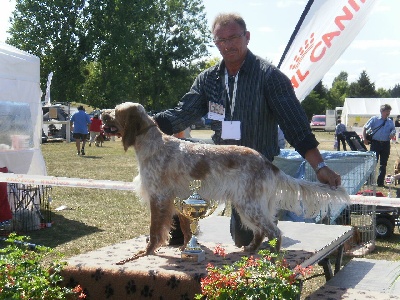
(357, 111)
(20, 112)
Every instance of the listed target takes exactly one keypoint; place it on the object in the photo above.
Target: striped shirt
(264, 99)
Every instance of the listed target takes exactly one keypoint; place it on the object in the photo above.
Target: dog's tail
(306, 198)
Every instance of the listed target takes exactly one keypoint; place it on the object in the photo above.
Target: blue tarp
(354, 167)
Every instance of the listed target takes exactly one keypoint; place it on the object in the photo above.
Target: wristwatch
(320, 166)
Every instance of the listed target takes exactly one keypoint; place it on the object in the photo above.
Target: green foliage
(395, 92)
(53, 30)
(320, 99)
(23, 275)
(103, 52)
(363, 88)
(338, 92)
(211, 62)
(266, 277)
(314, 104)
(382, 93)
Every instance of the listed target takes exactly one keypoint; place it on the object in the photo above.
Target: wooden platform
(166, 276)
(363, 279)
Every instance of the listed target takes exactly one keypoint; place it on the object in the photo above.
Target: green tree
(339, 90)
(148, 58)
(52, 30)
(395, 92)
(103, 52)
(363, 88)
(211, 62)
(321, 90)
(383, 93)
(314, 104)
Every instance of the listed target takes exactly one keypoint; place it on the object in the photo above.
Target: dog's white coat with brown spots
(255, 187)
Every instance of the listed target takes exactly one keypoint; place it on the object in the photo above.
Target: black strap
(377, 128)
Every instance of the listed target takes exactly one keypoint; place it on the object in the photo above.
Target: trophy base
(193, 256)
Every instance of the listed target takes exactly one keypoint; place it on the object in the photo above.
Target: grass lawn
(96, 218)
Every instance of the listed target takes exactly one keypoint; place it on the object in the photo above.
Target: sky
(376, 49)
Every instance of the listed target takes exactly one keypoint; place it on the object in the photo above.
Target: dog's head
(126, 120)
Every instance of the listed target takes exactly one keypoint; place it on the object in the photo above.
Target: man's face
(231, 41)
(385, 113)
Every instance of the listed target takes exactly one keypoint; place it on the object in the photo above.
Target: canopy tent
(357, 111)
(20, 112)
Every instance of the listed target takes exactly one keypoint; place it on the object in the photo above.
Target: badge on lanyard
(231, 129)
(216, 111)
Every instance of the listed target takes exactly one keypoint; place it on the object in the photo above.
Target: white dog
(255, 187)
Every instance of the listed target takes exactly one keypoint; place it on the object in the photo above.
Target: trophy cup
(194, 208)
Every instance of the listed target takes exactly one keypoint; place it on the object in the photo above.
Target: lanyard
(231, 101)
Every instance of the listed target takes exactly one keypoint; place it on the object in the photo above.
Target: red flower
(219, 250)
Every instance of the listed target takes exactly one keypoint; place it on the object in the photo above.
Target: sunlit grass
(94, 218)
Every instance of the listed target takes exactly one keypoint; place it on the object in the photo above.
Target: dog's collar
(144, 130)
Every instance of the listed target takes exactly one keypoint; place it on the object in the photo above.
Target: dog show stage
(166, 276)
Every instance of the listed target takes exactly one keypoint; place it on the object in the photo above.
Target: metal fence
(30, 207)
(357, 170)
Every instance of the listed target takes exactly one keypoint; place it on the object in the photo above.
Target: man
(79, 123)
(382, 129)
(339, 134)
(247, 98)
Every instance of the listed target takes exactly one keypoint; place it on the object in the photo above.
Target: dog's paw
(250, 249)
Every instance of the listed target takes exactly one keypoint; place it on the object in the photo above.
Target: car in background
(318, 122)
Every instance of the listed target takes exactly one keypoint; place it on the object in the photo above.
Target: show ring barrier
(129, 186)
(67, 182)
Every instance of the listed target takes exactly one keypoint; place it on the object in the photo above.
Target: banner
(47, 96)
(326, 28)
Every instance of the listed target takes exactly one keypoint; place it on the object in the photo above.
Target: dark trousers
(382, 150)
(341, 139)
(240, 235)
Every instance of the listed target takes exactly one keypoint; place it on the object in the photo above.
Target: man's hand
(328, 176)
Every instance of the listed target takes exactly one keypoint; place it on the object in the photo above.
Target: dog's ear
(132, 125)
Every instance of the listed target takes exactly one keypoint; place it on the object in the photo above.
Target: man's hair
(225, 19)
(80, 107)
(385, 107)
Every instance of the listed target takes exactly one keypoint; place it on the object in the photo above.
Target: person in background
(397, 125)
(383, 130)
(281, 139)
(246, 97)
(80, 122)
(339, 134)
(95, 128)
(397, 121)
